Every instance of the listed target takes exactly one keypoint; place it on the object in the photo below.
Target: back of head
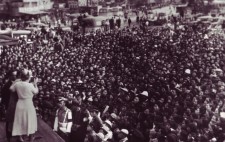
(172, 138)
(25, 74)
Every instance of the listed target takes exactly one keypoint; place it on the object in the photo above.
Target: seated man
(63, 120)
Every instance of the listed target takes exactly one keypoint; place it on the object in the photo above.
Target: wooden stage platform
(46, 133)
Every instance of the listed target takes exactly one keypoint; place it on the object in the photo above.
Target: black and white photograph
(112, 70)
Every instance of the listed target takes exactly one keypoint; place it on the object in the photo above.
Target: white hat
(188, 71)
(124, 89)
(109, 123)
(144, 93)
(53, 80)
(218, 70)
(125, 131)
(213, 139)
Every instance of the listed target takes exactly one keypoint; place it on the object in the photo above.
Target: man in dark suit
(9, 101)
(118, 22)
(129, 22)
(80, 123)
(111, 23)
(5, 90)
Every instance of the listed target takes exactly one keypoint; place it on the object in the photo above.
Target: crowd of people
(136, 85)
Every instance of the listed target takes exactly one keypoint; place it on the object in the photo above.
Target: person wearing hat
(123, 135)
(63, 119)
(72, 101)
(106, 130)
(99, 137)
(102, 126)
(58, 46)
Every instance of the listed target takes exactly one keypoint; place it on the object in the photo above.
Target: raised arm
(35, 88)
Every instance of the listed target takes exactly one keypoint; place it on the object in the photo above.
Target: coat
(10, 113)
(66, 125)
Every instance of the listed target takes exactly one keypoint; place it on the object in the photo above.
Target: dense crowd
(156, 85)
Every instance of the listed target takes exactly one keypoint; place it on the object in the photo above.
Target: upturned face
(105, 92)
(147, 111)
(136, 100)
(127, 98)
(156, 107)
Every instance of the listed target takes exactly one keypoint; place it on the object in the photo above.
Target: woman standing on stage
(25, 120)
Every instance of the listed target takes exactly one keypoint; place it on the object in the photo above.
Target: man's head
(136, 100)
(123, 133)
(61, 102)
(70, 96)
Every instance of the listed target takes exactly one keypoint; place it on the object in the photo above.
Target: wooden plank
(44, 131)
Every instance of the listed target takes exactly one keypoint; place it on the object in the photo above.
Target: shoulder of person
(69, 110)
(28, 83)
(16, 82)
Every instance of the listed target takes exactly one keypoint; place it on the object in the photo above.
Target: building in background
(32, 7)
(89, 6)
(35, 6)
(73, 4)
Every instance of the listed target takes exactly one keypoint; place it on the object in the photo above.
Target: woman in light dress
(25, 120)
